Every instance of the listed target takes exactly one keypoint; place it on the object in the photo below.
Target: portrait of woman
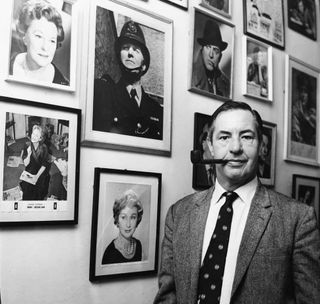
(127, 215)
(35, 178)
(38, 34)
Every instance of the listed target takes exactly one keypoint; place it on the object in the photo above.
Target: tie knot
(230, 196)
(133, 93)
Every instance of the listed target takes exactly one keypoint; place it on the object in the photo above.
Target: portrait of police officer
(124, 107)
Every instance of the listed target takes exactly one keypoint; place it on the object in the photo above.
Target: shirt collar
(245, 192)
(137, 87)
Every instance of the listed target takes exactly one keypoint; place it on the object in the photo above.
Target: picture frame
(307, 189)
(221, 7)
(209, 30)
(267, 154)
(301, 113)
(39, 182)
(203, 175)
(183, 4)
(264, 20)
(257, 69)
(120, 195)
(302, 17)
(112, 120)
(49, 58)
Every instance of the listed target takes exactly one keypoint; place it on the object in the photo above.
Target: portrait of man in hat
(123, 106)
(209, 49)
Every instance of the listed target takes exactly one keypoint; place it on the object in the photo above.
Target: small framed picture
(39, 180)
(264, 20)
(307, 190)
(222, 7)
(178, 3)
(43, 39)
(302, 17)
(301, 113)
(212, 58)
(125, 223)
(257, 69)
(267, 154)
(128, 104)
(203, 174)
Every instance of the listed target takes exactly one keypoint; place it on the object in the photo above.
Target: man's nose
(235, 145)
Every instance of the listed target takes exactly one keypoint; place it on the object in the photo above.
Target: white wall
(42, 264)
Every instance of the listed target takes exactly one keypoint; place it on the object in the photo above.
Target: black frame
(103, 177)
(52, 213)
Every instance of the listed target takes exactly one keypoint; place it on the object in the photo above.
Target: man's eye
(248, 137)
(224, 137)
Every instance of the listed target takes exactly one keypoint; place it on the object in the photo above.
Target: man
(273, 252)
(304, 113)
(206, 73)
(258, 73)
(124, 107)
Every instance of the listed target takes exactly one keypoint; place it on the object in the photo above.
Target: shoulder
(58, 76)
(188, 202)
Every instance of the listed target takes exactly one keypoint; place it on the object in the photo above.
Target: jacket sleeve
(306, 259)
(167, 288)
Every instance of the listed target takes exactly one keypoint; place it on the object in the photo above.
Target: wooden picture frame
(221, 7)
(39, 182)
(120, 195)
(257, 69)
(267, 154)
(46, 54)
(178, 3)
(301, 113)
(264, 20)
(307, 190)
(302, 17)
(203, 175)
(208, 31)
(112, 119)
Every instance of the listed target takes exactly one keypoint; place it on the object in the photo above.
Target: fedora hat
(212, 36)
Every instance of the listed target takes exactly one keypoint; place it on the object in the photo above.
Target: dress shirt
(138, 90)
(241, 208)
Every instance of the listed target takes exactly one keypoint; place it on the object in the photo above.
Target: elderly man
(206, 74)
(124, 107)
(239, 242)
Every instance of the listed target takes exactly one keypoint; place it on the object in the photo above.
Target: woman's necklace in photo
(126, 248)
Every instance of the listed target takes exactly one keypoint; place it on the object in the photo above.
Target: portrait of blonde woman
(37, 37)
(127, 215)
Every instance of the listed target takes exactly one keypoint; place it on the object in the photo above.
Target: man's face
(211, 56)
(131, 56)
(235, 138)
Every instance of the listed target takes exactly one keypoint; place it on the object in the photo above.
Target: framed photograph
(39, 181)
(179, 3)
(43, 43)
(302, 17)
(212, 57)
(128, 104)
(222, 7)
(307, 190)
(257, 69)
(125, 223)
(267, 154)
(203, 174)
(301, 113)
(264, 20)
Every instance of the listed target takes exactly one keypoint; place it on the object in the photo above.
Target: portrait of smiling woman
(127, 215)
(38, 33)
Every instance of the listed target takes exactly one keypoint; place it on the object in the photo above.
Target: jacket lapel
(258, 218)
(198, 220)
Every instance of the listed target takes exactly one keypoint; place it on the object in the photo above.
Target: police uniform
(115, 111)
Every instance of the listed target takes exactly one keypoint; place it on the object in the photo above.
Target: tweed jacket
(278, 260)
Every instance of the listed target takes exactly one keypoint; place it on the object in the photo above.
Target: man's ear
(209, 143)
